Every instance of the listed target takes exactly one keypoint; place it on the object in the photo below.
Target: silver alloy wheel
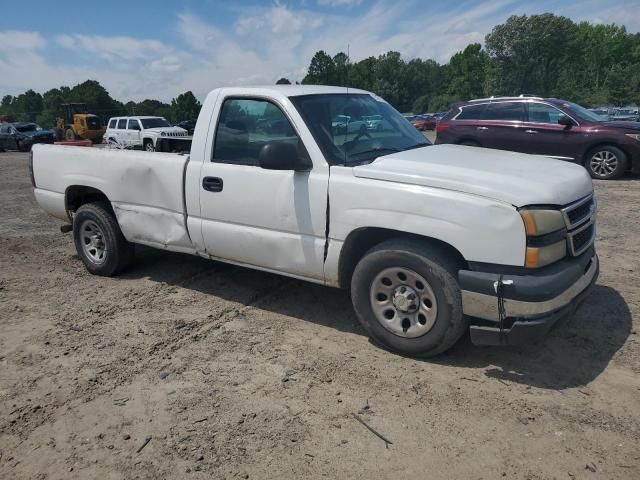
(149, 147)
(92, 240)
(403, 302)
(604, 163)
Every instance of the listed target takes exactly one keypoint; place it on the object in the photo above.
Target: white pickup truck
(430, 240)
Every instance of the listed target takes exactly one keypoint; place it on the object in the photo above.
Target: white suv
(140, 132)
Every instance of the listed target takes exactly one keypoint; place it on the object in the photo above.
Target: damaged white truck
(431, 240)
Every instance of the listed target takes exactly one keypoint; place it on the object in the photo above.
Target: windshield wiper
(417, 145)
(373, 150)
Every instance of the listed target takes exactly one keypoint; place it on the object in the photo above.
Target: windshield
(32, 127)
(156, 122)
(582, 112)
(356, 129)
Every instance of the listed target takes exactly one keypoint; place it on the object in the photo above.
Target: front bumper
(533, 303)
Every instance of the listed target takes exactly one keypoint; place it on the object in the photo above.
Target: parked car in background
(601, 112)
(188, 125)
(376, 122)
(140, 132)
(345, 124)
(423, 123)
(545, 126)
(625, 115)
(22, 136)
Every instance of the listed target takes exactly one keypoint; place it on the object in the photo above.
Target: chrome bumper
(485, 306)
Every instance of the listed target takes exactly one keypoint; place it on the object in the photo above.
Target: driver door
(270, 219)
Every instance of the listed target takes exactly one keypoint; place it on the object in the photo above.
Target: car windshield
(343, 127)
(31, 127)
(582, 112)
(155, 122)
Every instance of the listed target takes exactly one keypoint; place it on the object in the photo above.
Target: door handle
(530, 131)
(482, 128)
(212, 184)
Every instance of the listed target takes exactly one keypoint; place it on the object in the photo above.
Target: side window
(112, 123)
(133, 124)
(122, 123)
(4, 129)
(509, 111)
(471, 112)
(542, 113)
(247, 125)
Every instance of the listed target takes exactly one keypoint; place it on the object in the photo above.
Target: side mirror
(566, 121)
(282, 156)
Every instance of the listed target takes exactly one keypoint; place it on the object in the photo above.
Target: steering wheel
(361, 133)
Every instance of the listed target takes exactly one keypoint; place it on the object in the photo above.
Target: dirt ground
(233, 373)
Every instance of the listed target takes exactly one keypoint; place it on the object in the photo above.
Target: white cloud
(263, 44)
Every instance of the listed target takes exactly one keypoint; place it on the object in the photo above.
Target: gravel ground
(233, 373)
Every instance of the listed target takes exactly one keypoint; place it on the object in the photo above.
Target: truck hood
(515, 178)
(173, 130)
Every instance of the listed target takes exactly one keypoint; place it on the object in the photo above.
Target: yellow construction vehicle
(76, 123)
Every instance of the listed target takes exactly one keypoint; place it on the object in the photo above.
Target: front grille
(174, 134)
(581, 239)
(579, 212)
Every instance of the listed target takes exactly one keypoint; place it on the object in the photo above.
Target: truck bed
(146, 190)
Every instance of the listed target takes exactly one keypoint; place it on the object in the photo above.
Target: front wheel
(606, 162)
(406, 296)
(69, 135)
(99, 240)
(148, 146)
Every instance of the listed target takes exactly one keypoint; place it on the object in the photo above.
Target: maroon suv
(545, 126)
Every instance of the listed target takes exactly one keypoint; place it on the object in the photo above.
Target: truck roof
(291, 90)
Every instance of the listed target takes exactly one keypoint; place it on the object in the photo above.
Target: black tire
(147, 145)
(606, 162)
(69, 135)
(118, 252)
(59, 133)
(97, 140)
(439, 268)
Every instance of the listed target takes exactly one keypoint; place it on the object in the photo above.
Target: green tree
(321, 70)
(466, 72)
(283, 81)
(185, 107)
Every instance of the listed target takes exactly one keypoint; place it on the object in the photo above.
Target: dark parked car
(188, 125)
(21, 136)
(545, 126)
(625, 115)
(423, 122)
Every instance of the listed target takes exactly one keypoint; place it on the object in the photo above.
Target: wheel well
(78, 195)
(467, 139)
(607, 144)
(360, 241)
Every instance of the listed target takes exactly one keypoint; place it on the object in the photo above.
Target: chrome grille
(578, 212)
(580, 220)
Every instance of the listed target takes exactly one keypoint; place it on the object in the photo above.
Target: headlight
(537, 257)
(541, 222)
(635, 136)
(543, 251)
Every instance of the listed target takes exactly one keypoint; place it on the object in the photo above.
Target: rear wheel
(606, 162)
(406, 295)
(99, 240)
(69, 135)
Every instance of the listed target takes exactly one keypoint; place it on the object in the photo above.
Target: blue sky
(157, 49)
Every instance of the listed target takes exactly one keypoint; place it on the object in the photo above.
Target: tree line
(545, 54)
(31, 106)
